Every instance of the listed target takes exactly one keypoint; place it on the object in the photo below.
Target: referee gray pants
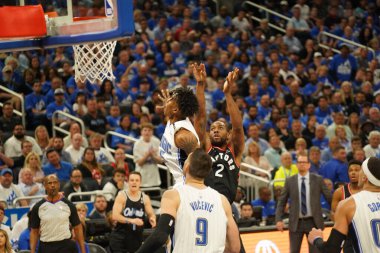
(64, 246)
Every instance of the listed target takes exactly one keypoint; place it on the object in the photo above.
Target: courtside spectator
(265, 201)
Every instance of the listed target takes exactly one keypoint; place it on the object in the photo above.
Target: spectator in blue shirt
(336, 169)
(123, 64)
(253, 98)
(168, 68)
(251, 118)
(59, 105)
(343, 66)
(264, 108)
(123, 93)
(114, 118)
(125, 128)
(265, 201)
(265, 88)
(222, 38)
(320, 140)
(56, 83)
(143, 71)
(315, 159)
(56, 166)
(327, 153)
(323, 110)
(35, 106)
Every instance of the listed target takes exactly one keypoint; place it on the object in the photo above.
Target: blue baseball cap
(7, 170)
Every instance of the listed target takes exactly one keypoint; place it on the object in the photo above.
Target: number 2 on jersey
(218, 173)
(201, 230)
(375, 225)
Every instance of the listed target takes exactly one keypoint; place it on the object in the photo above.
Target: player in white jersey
(200, 217)
(360, 212)
(180, 137)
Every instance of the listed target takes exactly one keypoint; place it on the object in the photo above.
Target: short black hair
(246, 204)
(50, 150)
(200, 164)
(354, 162)
(186, 100)
(121, 171)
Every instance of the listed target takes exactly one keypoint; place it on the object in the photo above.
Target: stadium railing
(271, 185)
(252, 189)
(89, 193)
(338, 38)
(61, 129)
(16, 200)
(252, 182)
(278, 28)
(21, 97)
(256, 169)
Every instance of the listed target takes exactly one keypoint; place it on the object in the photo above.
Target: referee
(50, 222)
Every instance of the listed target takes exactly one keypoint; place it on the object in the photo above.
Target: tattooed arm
(186, 140)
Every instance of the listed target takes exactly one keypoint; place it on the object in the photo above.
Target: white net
(93, 62)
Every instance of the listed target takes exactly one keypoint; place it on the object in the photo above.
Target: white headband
(368, 173)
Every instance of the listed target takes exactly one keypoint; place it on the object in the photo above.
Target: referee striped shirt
(54, 219)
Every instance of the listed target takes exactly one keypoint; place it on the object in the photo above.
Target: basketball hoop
(93, 62)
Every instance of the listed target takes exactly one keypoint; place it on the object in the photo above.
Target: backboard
(67, 22)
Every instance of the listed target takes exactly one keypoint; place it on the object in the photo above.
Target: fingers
(235, 73)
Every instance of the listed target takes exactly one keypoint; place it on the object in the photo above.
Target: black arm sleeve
(160, 235)
(333, 245)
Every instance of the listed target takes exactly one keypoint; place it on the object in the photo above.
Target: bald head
(51, 184)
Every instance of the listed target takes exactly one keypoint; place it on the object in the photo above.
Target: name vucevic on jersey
(201, 205)
(374, 207)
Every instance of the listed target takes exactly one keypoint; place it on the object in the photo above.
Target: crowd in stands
(295, 96)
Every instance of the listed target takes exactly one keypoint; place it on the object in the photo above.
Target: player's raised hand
(231, 78)
(164, 97)
(199, 72)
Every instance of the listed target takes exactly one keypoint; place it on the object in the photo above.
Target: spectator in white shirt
(12, 146)
(8, 190)
(103, 156)
(146, 153)
(75, 149)
(30, 188)
(372, 148)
